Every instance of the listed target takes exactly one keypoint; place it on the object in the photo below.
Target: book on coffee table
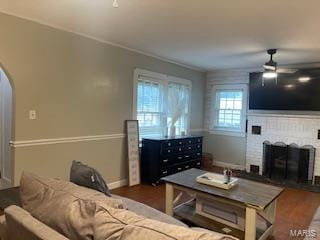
(216, 180)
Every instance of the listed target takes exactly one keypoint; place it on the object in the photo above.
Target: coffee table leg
(251, 224)
(169, 199)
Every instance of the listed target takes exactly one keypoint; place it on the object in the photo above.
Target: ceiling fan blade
(269, 67)
(287, 70)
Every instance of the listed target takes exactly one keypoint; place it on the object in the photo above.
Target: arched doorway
(6, 113)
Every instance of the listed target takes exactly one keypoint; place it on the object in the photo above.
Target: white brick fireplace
(299, 129)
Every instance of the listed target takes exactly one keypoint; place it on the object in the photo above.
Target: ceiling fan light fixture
(269, 74)
(304, 79)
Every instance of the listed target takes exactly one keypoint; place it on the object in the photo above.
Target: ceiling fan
(271, 68)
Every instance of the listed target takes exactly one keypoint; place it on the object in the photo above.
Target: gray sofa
(19, 224)
(60, 210)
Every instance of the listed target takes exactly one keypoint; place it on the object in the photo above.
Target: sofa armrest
(20, 223)
(3, 228)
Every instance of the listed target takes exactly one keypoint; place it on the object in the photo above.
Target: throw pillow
(89, 177)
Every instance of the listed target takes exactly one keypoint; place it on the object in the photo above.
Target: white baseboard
(229, 165)
(121, 183)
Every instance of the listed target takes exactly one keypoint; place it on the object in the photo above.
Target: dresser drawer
(166, 160)
(189, 148)
(187, 166)
(194, 147)
(180, 142)
(167, 151)
(197, 155)
(179, 158)
(196, 164)
(198, 147)
(187, 156)
(179, 149)
(168, 144)
(197, 140)
(165, 172)
(178, 168)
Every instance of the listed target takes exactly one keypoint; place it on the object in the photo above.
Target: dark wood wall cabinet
(161, 157)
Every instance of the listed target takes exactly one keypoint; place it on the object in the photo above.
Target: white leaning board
(133, 152)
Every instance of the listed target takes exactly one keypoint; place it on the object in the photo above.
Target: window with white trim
(229, 109)
(158, 100)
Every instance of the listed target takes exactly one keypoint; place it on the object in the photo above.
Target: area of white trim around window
(163, 79)
(225, 131)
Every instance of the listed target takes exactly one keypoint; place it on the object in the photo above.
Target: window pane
(229, 104)
(149, 108)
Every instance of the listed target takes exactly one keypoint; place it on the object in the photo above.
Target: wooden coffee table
(251, 205)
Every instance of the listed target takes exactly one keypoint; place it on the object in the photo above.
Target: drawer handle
(187, 166)
(169, 151)
(180, 143)
(179, 158)
(179, 168)
(169, 144)
(165, 160)
(189, 148)
(198, 146)
(189, 141)
(165, 172)
(198, 154)
(186, 156)
(180, 149)
(198, 164)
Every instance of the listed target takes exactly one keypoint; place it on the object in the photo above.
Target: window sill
(227, 133)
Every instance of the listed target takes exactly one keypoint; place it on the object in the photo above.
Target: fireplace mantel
(286, 115)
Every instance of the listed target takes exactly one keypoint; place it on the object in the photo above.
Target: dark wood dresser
(161, 157)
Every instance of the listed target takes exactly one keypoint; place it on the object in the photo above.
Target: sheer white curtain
(178, 106)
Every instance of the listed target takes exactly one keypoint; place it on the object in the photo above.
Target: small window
(229, 108)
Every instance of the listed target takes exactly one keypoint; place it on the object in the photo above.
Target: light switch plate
(32, 114)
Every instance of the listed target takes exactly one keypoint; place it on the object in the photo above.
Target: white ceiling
(206, 34)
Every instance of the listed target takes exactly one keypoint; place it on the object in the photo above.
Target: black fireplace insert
(288, 162)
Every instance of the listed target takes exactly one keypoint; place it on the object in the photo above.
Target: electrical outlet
(32, 114)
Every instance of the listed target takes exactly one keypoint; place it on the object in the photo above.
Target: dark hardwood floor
(295, 208)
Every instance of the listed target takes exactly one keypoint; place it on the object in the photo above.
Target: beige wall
(78, 87)
(225, 149)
